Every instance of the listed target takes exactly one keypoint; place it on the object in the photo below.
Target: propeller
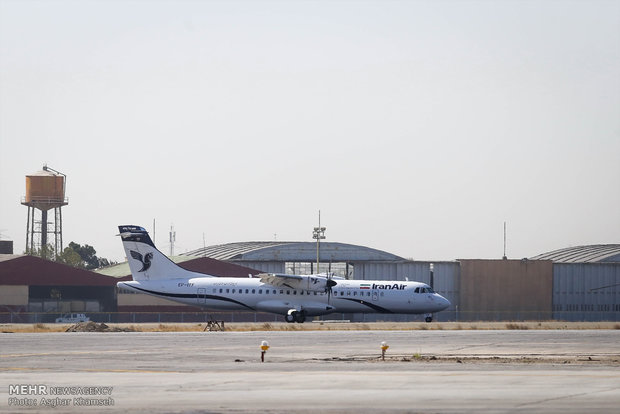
(329, 284)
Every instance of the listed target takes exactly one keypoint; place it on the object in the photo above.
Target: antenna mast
(318, 234)
(504, 257)
(173, 238)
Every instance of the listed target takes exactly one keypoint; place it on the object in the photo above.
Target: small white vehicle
(73, 318)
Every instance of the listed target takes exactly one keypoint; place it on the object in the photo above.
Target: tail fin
(145, 261)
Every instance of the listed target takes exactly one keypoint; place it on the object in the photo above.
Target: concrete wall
(506, 290)
(13, 295)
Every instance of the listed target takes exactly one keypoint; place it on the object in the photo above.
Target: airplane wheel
(300, 317)
(429, 319)
(290, 318)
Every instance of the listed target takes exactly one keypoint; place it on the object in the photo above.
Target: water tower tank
(45, 190)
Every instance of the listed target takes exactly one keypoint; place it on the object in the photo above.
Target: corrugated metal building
(586, 282)
(296, 257)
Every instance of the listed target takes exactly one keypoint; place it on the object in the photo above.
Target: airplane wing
(281, 279)
(304, 282)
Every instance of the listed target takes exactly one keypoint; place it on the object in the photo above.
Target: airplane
(296, 297)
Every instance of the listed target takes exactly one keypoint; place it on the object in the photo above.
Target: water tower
(45, 190)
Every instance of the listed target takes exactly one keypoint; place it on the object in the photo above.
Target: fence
(201, 317)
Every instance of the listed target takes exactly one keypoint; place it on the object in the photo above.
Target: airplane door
(375, 295)
(202, 295)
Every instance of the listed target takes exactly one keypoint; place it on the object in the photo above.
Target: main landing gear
(295, 316)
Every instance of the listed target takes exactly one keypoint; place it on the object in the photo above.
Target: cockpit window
(429, 290)
(417, 290)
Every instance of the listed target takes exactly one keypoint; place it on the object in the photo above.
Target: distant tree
(83, 257)
(87, 253)
(71, 257)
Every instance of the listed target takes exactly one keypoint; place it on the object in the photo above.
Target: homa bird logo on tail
(146, 261)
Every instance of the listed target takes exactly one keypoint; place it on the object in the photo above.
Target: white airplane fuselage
(294, 296)
(349, 296)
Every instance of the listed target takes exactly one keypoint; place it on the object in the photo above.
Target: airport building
(574, 284)
(586, 282)
(35, 290)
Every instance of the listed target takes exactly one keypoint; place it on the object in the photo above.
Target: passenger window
(354, 293)
(294, 292)
(288, 292)
(314, 293)
(349, 293)
(227, 290)
(220, 290)
(281, 291)
(247, 291)
(301, 292)
(233, 291)
(260, 291)
(253, 291)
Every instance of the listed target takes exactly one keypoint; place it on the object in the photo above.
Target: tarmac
(549, 371)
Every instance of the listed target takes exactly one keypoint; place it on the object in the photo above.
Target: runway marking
(566, 396)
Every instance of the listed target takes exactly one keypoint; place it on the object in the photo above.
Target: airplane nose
(444, 303)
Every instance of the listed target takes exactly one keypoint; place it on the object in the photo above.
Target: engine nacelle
(317, 283)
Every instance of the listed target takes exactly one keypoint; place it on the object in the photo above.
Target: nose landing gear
(428, 317)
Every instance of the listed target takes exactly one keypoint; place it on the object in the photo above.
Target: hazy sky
(416, 127)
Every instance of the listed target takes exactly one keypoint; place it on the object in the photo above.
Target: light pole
(318, 234)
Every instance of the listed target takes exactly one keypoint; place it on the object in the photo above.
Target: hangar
(586, 282)
(38, 290)
(574, 284)
(296, 257)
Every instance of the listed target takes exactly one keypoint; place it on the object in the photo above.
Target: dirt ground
(317, 326)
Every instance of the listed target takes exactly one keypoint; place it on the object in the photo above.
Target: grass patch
(40, 327)
(518, 326)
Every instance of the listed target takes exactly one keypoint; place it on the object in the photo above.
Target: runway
(318, 371)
